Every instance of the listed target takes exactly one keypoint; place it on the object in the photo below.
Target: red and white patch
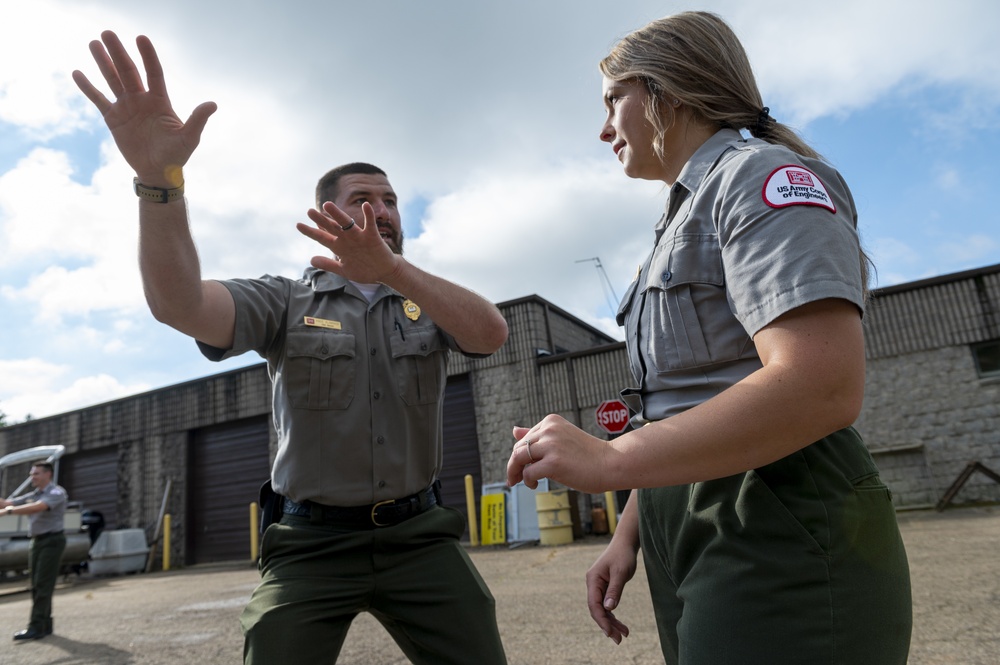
(794, 185)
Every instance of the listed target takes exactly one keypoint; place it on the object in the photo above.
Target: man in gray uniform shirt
(357, 351)
(45, 508)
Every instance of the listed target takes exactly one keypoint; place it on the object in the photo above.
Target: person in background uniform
(766, 533)
(45, 508)
(357, 351)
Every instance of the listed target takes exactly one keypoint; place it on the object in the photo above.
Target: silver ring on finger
(347, 226)
(527, 447)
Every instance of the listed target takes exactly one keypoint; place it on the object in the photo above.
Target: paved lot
(191, 616)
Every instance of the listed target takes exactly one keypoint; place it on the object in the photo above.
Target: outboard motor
(93, 522)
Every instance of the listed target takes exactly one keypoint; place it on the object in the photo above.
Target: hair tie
(763, 121)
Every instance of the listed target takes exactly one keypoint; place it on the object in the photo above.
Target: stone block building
(931, 407)
(932, 393)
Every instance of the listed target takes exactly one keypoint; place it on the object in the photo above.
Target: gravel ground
(191, 615)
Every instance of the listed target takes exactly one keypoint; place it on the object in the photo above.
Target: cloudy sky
(484, 114)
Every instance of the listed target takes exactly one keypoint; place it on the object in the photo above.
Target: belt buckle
(376, 507)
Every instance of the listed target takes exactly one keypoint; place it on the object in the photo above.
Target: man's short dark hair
(326, 188)
(44, 465)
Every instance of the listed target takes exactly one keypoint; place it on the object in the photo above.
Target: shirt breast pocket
(684, 287)
(319, 369)
(419, 366)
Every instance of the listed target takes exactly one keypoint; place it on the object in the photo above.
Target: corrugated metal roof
(950, 310)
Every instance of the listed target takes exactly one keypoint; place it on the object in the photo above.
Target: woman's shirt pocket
(319, 368)
(686, 318)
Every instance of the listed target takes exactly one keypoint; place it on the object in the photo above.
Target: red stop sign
(612, 416)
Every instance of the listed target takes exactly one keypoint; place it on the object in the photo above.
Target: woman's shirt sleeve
(788, 233)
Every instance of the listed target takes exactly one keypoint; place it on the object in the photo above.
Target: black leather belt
(381, 514)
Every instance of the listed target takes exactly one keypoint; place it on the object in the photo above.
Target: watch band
(156, 194)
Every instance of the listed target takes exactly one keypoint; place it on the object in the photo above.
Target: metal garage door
(91, 477)
(461, 444)
(227, 465)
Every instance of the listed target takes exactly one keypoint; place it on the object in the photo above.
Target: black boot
(48, 626)
(31, 633)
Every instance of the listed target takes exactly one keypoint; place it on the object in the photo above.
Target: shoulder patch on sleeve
(796, 185)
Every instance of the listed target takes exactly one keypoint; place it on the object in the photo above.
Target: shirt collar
(322, 281)
(705, 157)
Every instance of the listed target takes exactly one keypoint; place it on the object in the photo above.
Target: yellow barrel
(554, 520)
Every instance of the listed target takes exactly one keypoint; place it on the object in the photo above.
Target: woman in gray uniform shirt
(767, 535)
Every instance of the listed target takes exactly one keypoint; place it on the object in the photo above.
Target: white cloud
(46, 213)
(949, 178)
(92, 289)
(971, 251)
(38, 388)
(39, 49)
(513, 234)
(892, 256)
(28, 375)
(814, 60)
(76, 245)
(900, 261)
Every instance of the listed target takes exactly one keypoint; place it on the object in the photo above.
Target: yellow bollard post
(253, 531)
(609, 500)
(166, 542)
(470, 504)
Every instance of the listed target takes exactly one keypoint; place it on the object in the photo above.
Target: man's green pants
(414, 577)
(44, 557)
(798, 562)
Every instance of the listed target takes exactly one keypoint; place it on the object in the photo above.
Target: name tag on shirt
(321, 323)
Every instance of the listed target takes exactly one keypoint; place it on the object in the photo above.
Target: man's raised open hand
(148, 133)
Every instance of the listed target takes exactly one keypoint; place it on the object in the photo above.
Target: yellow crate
(552, 500)
(555, 523)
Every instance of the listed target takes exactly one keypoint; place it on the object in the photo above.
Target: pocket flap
(689, 259)
(417, 342)
(319, 344)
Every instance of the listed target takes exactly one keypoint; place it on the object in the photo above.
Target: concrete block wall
(925, 416)
(500, 404)
(151, 433)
